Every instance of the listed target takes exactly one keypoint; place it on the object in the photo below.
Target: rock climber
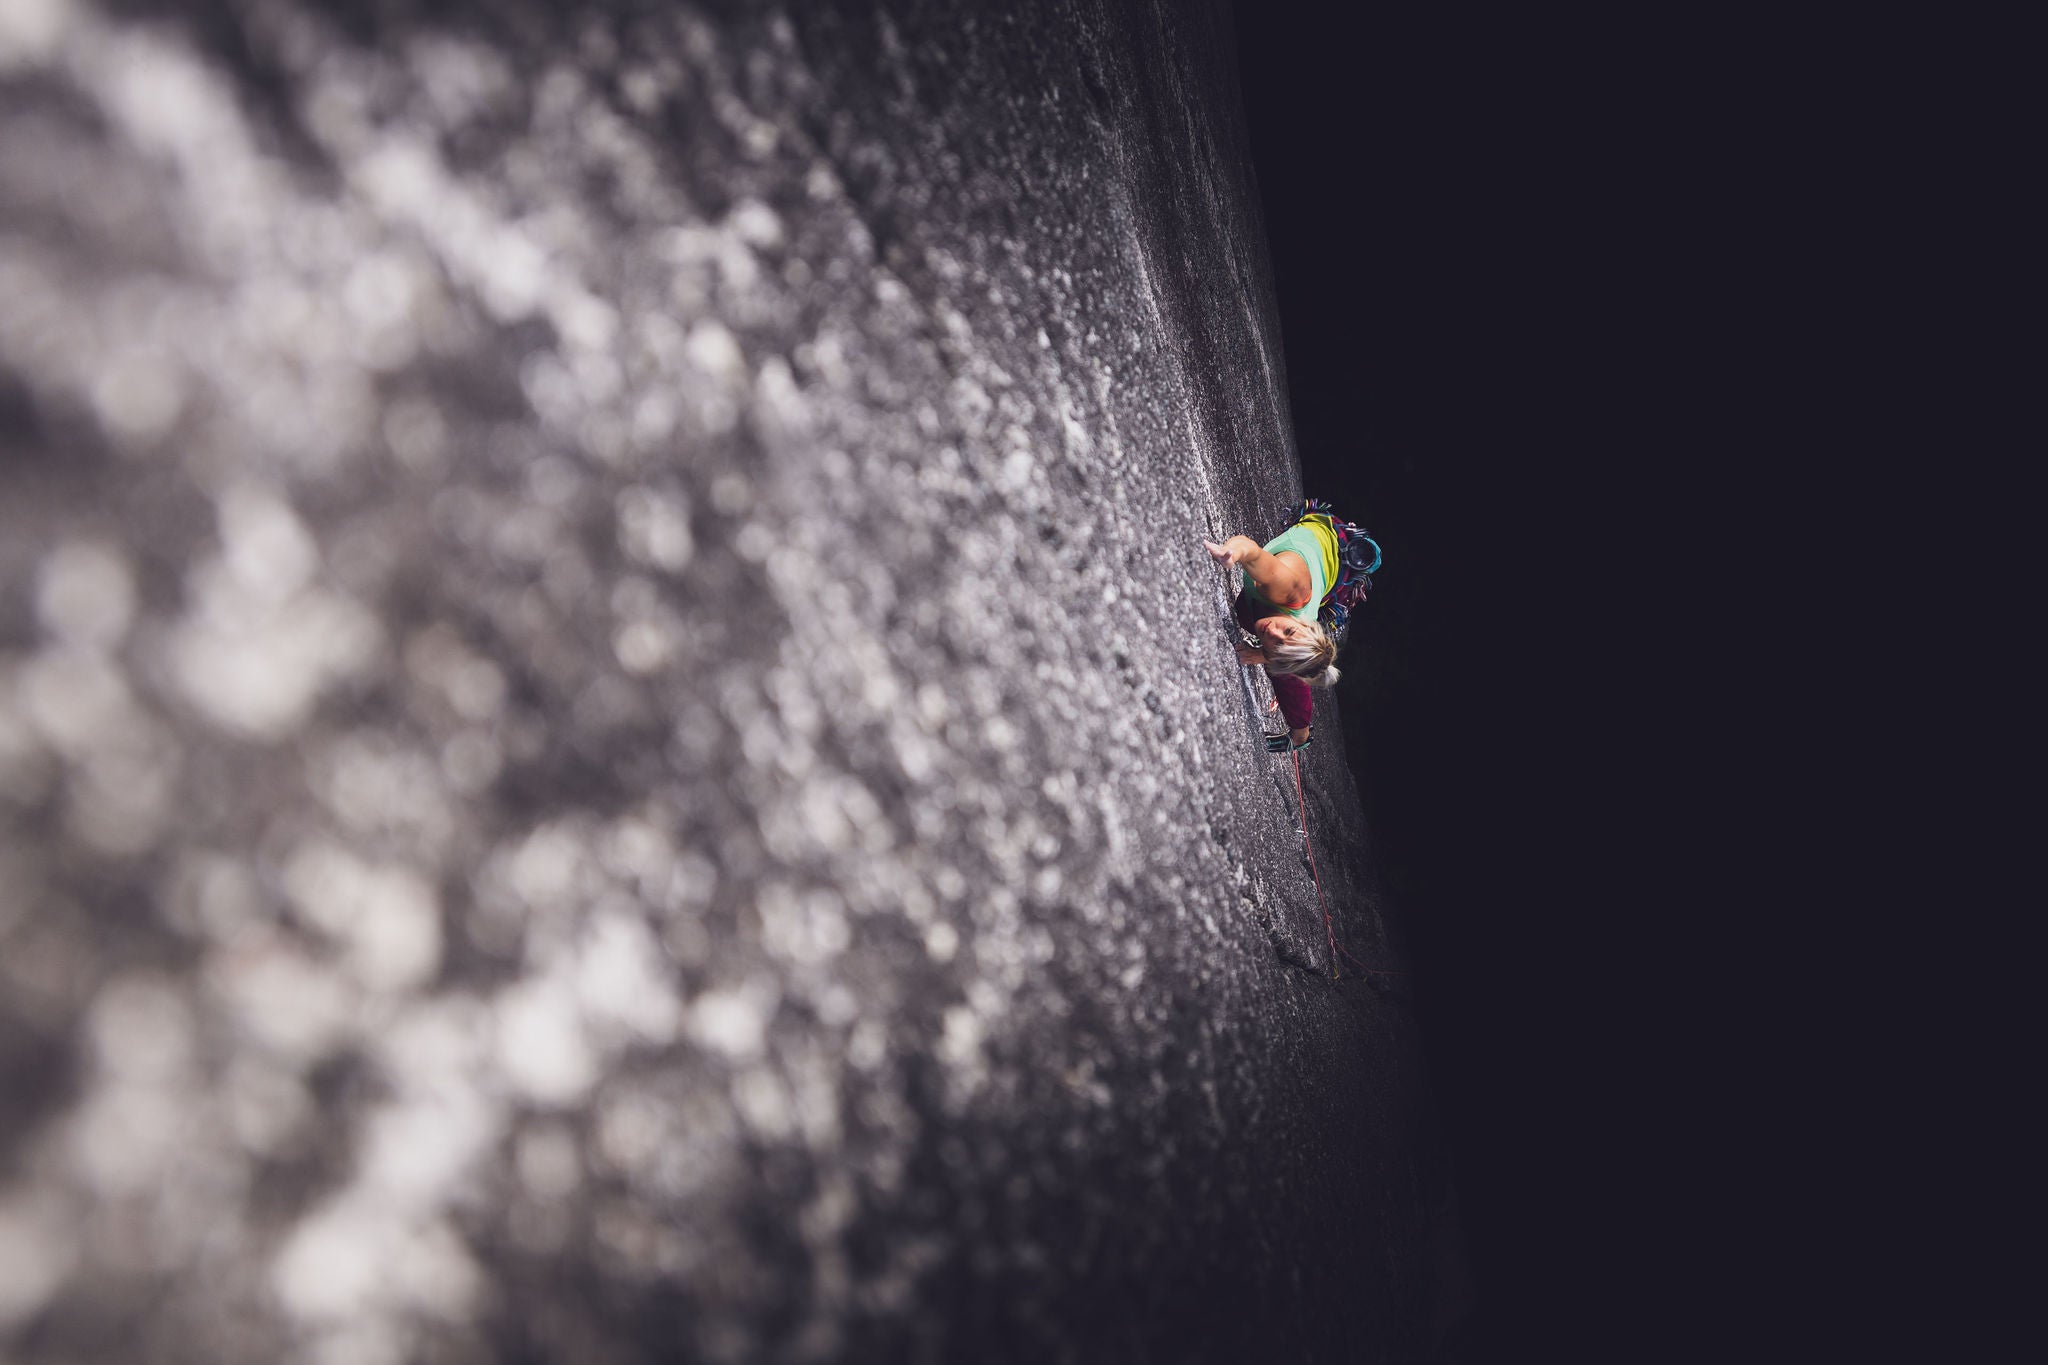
(1298, 590)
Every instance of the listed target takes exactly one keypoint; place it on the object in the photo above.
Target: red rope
(1329, 925)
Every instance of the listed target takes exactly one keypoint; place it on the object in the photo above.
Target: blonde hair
(1313, 660)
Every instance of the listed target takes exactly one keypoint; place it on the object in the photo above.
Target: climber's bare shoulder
(1281, 578)
(1291, 584)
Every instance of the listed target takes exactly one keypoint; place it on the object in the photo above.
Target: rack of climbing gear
(1358, 558)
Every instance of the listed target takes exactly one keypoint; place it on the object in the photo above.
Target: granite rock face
(616, 743)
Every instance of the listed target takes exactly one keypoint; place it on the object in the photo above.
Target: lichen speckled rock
(616, 743)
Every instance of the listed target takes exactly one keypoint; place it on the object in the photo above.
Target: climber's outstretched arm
(1281, 579)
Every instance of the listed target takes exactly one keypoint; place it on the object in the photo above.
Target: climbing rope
(1329, 924)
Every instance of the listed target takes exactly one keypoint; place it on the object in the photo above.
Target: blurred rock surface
(616, 743)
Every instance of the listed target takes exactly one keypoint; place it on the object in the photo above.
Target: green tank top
(1317, 545)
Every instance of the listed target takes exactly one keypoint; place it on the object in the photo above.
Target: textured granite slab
(616, 743)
